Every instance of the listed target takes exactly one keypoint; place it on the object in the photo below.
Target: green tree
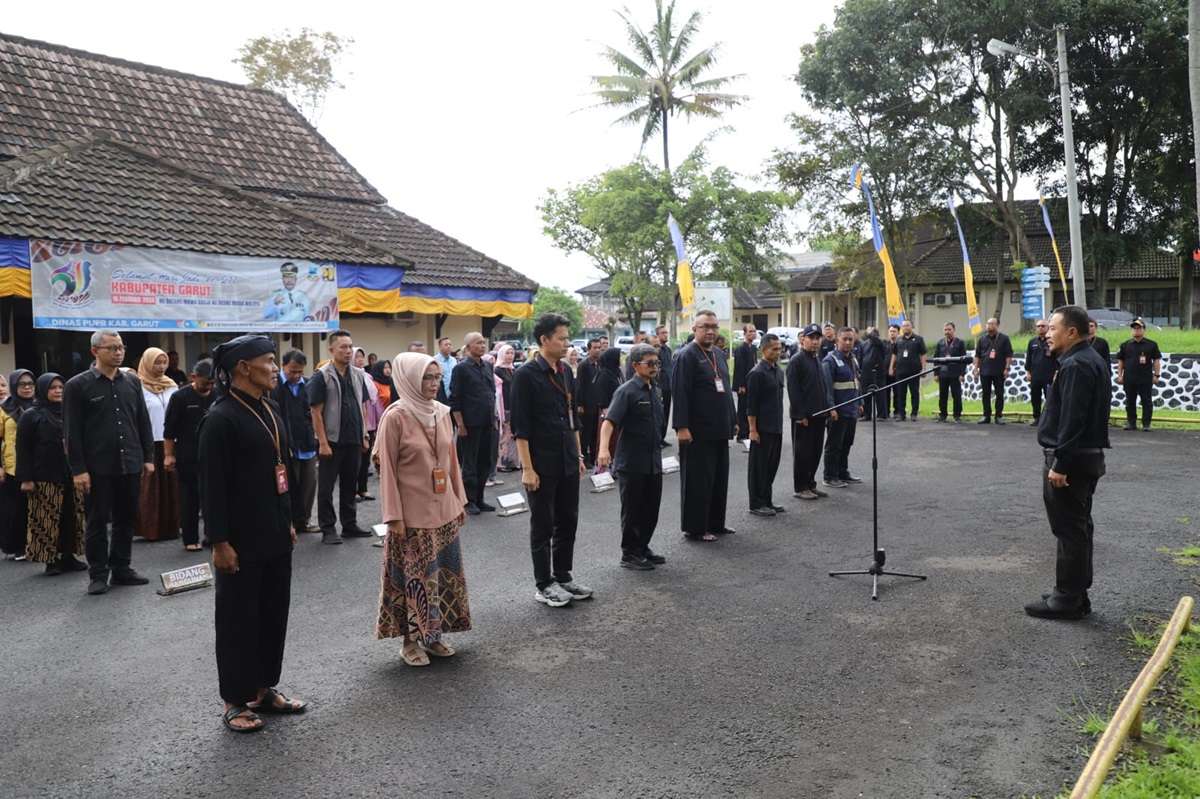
(552, 300)
(662, 78)
(300, 66)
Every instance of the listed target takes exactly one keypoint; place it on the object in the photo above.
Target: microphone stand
(879, 557)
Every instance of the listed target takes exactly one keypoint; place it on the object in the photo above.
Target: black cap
(811, 330)
(242, 348)
(1137, 322)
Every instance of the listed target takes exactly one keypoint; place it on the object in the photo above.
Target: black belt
(1084, 451)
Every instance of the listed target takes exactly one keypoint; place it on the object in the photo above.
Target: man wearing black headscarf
(244, 454)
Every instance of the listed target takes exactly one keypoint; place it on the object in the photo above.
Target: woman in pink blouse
(424, 588)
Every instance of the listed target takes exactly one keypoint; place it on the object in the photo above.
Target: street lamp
(1000, 49)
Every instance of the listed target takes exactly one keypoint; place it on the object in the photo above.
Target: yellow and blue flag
(683, 276)
(891, 288)
(1062, 276)
(968, 278)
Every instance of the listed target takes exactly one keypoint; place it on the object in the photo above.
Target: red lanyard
(712, 361)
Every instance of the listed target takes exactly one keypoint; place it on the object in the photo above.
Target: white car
(625, 343)
(790, 336)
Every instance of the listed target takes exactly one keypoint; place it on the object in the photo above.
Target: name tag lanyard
(562, 390)
(438, 476)
(712, 361)
(281, 480)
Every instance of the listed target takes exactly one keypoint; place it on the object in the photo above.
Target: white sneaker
(553, 595)
(576, 590)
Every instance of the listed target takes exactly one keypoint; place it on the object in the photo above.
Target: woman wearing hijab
(370, 421)
(12, 501)
(607, 383)
(3, 388)
(510, 461)
(158, 508)
(55, 516)
(424, 591)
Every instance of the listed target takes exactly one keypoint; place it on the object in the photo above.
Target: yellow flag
(683, 276)
(891, 288)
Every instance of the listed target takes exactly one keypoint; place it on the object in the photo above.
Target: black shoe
(1146, 429)
(941, 419)
(636, 563)
(1086, 606)
(98, 586)
(365, 498)
(356, 532)
(985, 420)
(912, 418)
(724, 531)
(654, 557)
(130, 577)
(899, 418)
(779, 509)
(486, 508)
(1042, 609)
(958, 420)
(1034, 423)
(1129, 427)
(763, 511)
(331, 538)
(472, 509)
(69, 564)
(53, 568)
(849, 478)
(1000, 421)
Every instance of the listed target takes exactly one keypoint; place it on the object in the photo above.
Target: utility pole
(1064, 85)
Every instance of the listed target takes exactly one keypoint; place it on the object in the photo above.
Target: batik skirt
(424, 588)
(56, 521)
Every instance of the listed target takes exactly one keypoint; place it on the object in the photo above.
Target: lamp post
(999, 48)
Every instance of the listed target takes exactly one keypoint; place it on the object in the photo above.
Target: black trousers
(474, 456)
(911, 389)
(666, 402)
(703, 486)
(743, 423)
(949, 386)
(553, 520)
(66, 522)
(189, 502)
(837, 447)
(364, 465)
(1037, 395)
(641, 495)
(302, 490)
(115, 497)
(14, 517)
(1133, 393)
(1069, 511)
(807, 441)
(880, 402)
(341, 468)
(992, 384)
(588, 439)
(764, 465)
(251, 621)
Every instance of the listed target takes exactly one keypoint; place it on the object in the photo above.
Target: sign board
(717, 296)
(84, 286)
(670, 464)
(1033, 307)
(1030, 272)
(603, 482)
(511, 504)
(187, 579)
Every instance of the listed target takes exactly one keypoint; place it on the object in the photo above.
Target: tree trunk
(666, 154)
(1186, 307)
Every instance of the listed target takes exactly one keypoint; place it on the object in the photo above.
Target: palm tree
(661, 79)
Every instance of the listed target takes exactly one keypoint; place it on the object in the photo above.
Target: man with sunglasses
(636, 414)
(109, 447)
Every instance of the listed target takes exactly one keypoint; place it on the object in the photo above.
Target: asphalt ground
(738, 669)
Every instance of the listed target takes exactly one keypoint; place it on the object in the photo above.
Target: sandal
(707, 538)
(192, 547)
(274, 702)
(440, 650)
(415, 658)
(242, 711)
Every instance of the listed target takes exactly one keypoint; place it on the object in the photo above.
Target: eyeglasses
(708, 327)
(25, 384)
(113, 347)
(649, 363)
(430, 378)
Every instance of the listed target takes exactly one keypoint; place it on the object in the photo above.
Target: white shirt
(156, 404)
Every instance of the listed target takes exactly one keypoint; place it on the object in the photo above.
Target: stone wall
(1177, 389)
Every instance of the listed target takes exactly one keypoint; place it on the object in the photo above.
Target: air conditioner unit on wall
(942, 300)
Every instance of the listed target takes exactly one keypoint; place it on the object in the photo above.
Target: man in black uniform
(842, 385)
(664, 376)
(764, 412)
(1040, 366)
(875, 358)
(829, 342)
(587, 409)
(744, 358)
(247, 515)
(291, 395)
(1073, 433)
(547, 433)
(473, 404)
(908, 359)
(109, 447)
(1100, 345)
(635, 416)
(181, 446)
(949, 377)
(806, 398)
(993, 356)
(704, 420)
(1139, 363)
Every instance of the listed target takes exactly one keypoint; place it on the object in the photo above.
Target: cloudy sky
(463, 114)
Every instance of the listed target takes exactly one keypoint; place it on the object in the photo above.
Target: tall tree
(1188, 268)
(554, 300)
(298, 66)
(662, 78)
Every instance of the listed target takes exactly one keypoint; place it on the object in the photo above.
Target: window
(866, 311)
(1158, 306)
(958, 297)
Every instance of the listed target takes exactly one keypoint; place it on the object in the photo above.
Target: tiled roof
(438, 259)
(760, 295)
(821, 278)
(101, 190)
(251, 137)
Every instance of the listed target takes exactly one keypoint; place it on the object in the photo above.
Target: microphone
(951, 360)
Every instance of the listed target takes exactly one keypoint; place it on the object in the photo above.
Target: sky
(463, 114)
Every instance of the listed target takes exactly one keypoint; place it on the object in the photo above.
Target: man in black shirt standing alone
(704, 420)
(1139, 363)
(764, 411)
(1040, 366)
(473, 403)
(744, 358)
(993, 356)
(949, 377)
(1073, 433)
(181, 446)
(247, 515)
(547, 433)
(908, 359)
(109, 447)
(807, 392)
(635, 415)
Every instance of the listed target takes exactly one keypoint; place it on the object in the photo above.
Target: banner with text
(78, 286)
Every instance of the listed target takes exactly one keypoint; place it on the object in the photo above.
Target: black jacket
(744, 358)
(297, 417)
(806, 385)
(1077, 410)
(608, 378)
(1039, 363)
(185, 411)
(952, 349)
(473, 392)
(41, 457)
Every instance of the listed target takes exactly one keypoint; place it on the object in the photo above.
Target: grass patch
(1017, 411)
(1170, 340)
